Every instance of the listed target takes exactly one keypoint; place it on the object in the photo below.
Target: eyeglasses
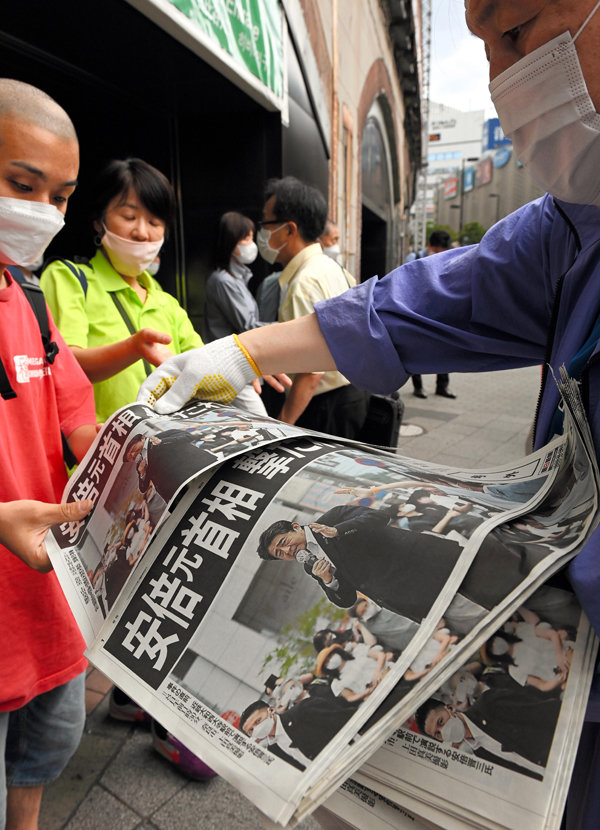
(264, 222)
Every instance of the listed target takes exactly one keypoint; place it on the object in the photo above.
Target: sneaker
(123, 708)
(180, 756)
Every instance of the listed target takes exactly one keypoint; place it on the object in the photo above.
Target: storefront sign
(484, 172)
(493, 135)
(469, 179)
(502, 156)
(450, 187)
(240, 38)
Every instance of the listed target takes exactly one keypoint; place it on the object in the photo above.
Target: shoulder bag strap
(130, 327)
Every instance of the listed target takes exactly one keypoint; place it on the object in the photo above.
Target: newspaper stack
(285, 604)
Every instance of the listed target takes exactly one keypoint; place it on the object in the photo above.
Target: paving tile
(139, 777)
(215, 805)
(97, 682)
(92, 699)
(101, 811)
(62, 797)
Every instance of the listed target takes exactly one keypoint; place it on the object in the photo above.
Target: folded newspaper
(294, 607)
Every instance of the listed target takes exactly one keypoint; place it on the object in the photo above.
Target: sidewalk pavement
(116, 781)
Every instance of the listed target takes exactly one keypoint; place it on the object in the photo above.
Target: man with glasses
(294, 216)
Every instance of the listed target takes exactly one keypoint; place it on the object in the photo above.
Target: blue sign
(502, 156)
(493, 135)
(469, 179)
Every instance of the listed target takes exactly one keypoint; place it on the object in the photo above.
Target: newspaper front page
(292, 587)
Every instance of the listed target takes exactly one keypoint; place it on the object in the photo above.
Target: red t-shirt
(40, 644)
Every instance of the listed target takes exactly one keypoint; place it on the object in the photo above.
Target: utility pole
(420, 226)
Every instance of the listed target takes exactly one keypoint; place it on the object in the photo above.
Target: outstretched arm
(222, 368)
(102, 362)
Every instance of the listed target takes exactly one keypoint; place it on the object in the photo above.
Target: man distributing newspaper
(527, 294)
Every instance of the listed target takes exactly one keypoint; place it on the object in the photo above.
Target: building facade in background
(223, 94)
(454, 137)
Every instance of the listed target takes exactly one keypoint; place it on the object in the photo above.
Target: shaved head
(28, 103)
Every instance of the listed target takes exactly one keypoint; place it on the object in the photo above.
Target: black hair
(334, 674)
(271, 683)
(233, 226)
(267, 536)
(421, 493)
(502, 659)
(424, 710)
(298, 202)
(353, 612)
(249, 710)
(440, 239)
(137, 437)
(152, 188)
(320, 637)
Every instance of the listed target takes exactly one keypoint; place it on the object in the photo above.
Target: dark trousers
(442, 381)
(340, 412)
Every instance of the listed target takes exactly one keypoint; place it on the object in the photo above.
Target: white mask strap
(586, 21)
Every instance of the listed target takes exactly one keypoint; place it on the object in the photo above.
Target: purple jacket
(528, 293)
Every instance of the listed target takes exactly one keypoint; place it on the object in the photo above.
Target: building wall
(512, 184)
(351, 43)
(133, 89)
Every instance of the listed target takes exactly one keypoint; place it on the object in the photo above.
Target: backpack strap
(6, 390)
(72, 266)
(37, 302)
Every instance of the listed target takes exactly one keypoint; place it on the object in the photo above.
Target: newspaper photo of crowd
(503, 704)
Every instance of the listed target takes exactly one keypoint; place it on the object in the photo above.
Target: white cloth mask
(499, 646)
(247, 253)
(262, 730)
(127, 256)
(453, 731)
(264, 249)
(332, 250)
(335, 661)
(26, 229)
(545, 109)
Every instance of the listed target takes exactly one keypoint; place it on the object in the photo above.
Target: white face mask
(466, 688)
(128, 257)
(262, 730)
(26, 229)
(332, 250)
(545, 109)
(453, 731)
(262, 240)
(247, 253)
(335, 662)
(499, 646)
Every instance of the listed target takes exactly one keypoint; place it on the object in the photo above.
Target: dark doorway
(373, 245)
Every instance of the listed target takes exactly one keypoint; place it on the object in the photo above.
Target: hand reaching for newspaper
(215, 372)
(25, 523)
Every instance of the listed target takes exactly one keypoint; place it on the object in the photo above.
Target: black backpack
(37, 302)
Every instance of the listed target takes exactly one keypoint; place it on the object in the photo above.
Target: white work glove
(215, 372)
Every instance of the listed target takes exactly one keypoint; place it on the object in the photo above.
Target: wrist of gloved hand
(215, 372)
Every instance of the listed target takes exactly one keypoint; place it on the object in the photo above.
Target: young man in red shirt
(41, 656)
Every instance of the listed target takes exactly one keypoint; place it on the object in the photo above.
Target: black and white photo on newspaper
(302, 582)
(133, 472)
(494, 743)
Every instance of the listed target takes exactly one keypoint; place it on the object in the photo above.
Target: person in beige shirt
(294, 216)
